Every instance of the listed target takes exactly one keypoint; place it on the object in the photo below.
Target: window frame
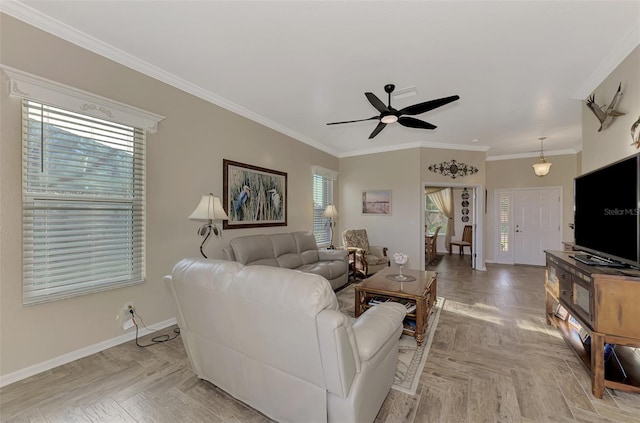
(29, 87)
(324, 180)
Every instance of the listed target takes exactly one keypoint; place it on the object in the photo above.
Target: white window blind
(83, 203)
(322, 196)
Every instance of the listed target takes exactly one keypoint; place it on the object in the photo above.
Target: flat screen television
(607, 217)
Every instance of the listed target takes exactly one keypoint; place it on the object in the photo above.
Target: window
(505, 230)
(322, 196)
(82, 203)
(434, 217)
(504, 245)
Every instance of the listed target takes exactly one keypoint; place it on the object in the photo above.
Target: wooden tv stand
(606, 303)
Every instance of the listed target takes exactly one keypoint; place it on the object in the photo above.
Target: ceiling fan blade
(376, 102)
(376, 131)
(415, 123)
(416, 109)
(351, 121)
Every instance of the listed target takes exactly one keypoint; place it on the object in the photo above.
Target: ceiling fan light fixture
(542, 166)
(389, 119)
(403, 116)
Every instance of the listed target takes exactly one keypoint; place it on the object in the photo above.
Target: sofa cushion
(306, 246)
(316, 268)
(256, 249)
(285, 251)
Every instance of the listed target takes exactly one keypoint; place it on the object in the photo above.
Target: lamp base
(205, 231)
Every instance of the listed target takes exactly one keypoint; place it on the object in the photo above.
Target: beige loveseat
(296, 250)
(274, 339)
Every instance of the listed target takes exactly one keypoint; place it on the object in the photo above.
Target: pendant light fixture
(542, 166)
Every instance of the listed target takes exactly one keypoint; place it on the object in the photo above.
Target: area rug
(411, 358)
(436, 260)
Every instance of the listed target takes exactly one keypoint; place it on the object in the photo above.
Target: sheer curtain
(443, 199)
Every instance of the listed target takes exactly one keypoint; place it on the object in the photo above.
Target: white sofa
(295, 250)
(274, 339)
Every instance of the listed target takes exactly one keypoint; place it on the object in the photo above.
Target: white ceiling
(521, 68)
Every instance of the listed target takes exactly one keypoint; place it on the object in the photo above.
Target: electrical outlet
(128, 308)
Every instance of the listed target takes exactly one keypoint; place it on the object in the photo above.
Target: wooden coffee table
(421, 292)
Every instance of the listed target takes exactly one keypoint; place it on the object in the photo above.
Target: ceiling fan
(390, 115)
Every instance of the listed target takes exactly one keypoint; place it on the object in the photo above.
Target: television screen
(606, 205)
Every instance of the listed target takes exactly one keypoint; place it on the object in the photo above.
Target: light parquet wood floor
(493, 359)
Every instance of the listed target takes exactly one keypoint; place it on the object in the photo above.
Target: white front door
(536, 224)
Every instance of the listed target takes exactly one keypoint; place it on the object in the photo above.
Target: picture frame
(561, 312)
(376, 202)
(253, 197)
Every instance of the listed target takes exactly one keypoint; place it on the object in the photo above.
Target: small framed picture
(561, 312)
(574, 323)
(376, 202)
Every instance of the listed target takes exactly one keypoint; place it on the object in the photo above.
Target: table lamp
(332, 213)
(208, 210)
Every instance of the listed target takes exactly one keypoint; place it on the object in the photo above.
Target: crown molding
(629, 42)
(41, 21)
(421, 144)
(533, 154)
(463, 147)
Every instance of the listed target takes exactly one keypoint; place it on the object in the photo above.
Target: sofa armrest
(374, 327)
(378, 251)
(324, 255)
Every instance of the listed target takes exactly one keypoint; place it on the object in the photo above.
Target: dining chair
(466, 241)
(430, 245)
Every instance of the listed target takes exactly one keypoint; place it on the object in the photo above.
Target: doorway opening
(446, 210)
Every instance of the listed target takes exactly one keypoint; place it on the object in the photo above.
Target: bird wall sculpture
(605, 114)
(635, 133)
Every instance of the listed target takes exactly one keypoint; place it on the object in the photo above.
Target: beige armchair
(369, 258)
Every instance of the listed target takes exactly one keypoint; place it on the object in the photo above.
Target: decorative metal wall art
(605, 114)
(465, 205)
(453, 169)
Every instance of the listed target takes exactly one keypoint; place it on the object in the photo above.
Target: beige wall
(405, 173)
(518, 173)
(613, 143)
(184, 162)
(397, 171)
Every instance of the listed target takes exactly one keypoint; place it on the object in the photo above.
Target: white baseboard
(82, 352)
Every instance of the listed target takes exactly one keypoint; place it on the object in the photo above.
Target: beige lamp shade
(331, 212)
(209, 209)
